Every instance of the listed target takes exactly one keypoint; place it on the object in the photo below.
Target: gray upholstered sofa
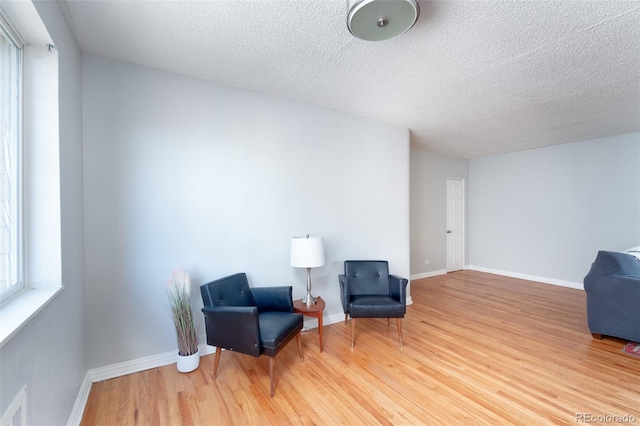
(613, 296)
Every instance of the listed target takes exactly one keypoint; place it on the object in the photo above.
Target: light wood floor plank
(478, 349)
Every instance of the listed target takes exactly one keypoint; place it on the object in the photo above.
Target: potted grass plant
(182, 315)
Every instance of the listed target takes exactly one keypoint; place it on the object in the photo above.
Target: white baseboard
(121, 369)
(428, 274)
(81, 402)
(141, 364)
(561, 283)
(311, 323)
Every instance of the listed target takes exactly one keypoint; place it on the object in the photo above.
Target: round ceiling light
(376, 20)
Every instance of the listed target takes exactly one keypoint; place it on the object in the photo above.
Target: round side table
(314, 311)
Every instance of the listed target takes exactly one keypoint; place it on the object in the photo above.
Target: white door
(455, 224)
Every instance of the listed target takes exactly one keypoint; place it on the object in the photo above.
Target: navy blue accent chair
(368, 291)
(613, 296)
(252, 321)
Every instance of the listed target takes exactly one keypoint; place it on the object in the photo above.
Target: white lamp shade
(307, 252)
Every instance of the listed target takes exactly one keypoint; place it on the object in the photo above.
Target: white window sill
(15, 313)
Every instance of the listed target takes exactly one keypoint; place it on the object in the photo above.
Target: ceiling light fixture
(377, 20)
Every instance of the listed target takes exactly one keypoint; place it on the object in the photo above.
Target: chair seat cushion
(276, 329)
(375, 306)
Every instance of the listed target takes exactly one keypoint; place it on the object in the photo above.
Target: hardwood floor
(478, 349)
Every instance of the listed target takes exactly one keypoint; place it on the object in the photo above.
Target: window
(11, 280)
(30, 219)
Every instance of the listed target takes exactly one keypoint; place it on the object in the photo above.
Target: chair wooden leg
(299, 341)
(272, 374)
(353, 330)
(399, 322)
(345, 318)
(597, 336)
(216, 362)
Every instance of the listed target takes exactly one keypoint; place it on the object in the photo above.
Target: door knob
(448, 231)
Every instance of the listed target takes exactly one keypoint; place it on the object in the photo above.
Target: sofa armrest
(270, 299)
(611, 263)
(629, 286)
(612, 307)
(235, 328)
(616, 286)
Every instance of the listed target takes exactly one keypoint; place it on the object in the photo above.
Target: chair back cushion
(367, 276)
(228, 291)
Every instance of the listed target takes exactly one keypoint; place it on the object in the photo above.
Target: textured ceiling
(471, 78)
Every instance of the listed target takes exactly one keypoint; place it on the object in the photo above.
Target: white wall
(429, 173)
(48, 353)
(546, 212)
(183, 172)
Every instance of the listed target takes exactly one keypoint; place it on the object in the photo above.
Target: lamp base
(309, 300)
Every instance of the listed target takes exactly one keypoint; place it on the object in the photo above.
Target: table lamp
(307, 252)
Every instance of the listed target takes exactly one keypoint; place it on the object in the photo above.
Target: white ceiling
(471, 78)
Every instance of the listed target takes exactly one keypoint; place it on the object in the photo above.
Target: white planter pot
(188, 363)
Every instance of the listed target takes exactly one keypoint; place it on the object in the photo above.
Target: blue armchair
(368, 291)
(252, 321)
(613, 296)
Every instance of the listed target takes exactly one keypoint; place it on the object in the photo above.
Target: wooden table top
(300, 306)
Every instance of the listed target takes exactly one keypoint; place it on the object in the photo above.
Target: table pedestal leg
(320, 329)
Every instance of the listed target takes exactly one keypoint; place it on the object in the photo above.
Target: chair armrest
(398, 288)
(270, 299)
(344, 291)
(233, 327)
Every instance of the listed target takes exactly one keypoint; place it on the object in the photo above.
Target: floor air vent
(16, 414)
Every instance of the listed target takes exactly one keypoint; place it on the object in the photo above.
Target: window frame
(14, 36)
(41, 175)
